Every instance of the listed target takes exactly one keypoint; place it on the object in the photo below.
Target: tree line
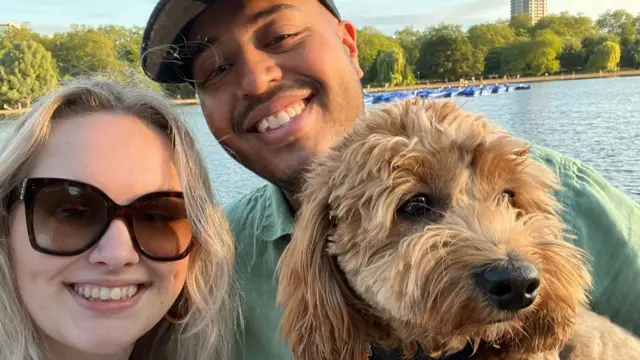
(32, 64)
(556, 43)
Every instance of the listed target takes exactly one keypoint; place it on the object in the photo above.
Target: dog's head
(427, 226)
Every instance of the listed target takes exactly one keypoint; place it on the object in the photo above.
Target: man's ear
(348, 35)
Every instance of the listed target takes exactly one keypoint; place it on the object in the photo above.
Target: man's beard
(293, 182)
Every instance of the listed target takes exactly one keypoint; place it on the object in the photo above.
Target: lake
(596, 121)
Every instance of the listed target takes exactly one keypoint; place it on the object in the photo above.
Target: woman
(111, 246)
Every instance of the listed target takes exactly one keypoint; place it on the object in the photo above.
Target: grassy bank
(562, 77)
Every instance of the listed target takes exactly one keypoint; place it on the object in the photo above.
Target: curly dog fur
(403, 220)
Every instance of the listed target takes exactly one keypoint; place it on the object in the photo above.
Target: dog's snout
(511, 287)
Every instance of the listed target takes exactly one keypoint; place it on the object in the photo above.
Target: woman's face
(125, 158)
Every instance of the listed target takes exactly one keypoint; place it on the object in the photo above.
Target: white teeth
(263, 126)
(281, 117)
(92, 292)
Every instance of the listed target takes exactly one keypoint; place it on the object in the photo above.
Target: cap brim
(160, 58)
(163, 55)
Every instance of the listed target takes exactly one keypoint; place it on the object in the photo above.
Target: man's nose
(115, 248)
(257, 72)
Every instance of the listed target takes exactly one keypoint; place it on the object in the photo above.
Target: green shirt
(605, 221)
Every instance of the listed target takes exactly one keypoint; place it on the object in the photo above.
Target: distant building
(536, 8)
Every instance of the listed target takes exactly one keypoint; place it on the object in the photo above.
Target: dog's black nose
(512, 286)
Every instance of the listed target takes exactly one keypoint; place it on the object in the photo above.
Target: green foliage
(591, 42)
(391, 68)
(619, 23)
(535, 56)
(179, 91)
(15, 35)
(370, 42)
(565, 24)
(521, 25)
(410, 40)
(605, 58)
(84, 51)
(485, 37)
(493, 61)
(513, 61)
(558, 42)
(27, 72)
(572, 57)
(630, 56)
(127, 42)
(446, 53)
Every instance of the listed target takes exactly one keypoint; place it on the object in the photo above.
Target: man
(279, 82)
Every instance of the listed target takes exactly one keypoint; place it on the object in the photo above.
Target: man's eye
(218, 71)
(280, 38)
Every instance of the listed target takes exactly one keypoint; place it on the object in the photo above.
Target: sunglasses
(67, 217)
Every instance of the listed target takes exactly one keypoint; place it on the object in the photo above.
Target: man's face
(280, 83)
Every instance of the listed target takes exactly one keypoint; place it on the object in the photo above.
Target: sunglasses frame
(31, 187)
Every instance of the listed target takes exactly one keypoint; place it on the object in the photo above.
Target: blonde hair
(209, 302)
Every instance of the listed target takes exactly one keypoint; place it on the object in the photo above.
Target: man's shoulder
(606, 223)
(583, 190)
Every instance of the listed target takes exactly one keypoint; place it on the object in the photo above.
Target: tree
(542, 53)
(493, 61)
(565, 24)
(410, 40)
(605, 58)
(521, 25)
(370, 42)
(619, 23)
(485, 37)
(27, 71)
(447, 54)
(18, 34)
(591, 42)
(534, 56)
(85, 51)
(390, 67)
(513, 61)
(572, 57)
(630, 56)
(127, 41)
(179, 91)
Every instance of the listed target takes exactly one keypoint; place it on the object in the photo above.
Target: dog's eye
(419, 206)
(508, 195)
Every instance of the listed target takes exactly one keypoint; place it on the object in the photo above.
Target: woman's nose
(115, 249)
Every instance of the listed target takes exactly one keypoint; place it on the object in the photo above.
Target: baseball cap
(165, 55)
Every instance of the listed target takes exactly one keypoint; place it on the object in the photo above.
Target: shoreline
(372, 90)
(533, 79)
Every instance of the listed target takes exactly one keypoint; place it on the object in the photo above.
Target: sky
(49, 16)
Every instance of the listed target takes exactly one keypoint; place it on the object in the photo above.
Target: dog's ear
(321, 320)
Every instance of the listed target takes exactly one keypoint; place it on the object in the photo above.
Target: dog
(430, 229)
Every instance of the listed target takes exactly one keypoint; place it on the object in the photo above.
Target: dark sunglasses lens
(67, 217)
(161, 227)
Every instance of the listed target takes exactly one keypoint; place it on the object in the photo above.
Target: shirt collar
(278, 218)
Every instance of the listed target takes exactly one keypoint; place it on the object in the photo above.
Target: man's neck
(294, 204)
